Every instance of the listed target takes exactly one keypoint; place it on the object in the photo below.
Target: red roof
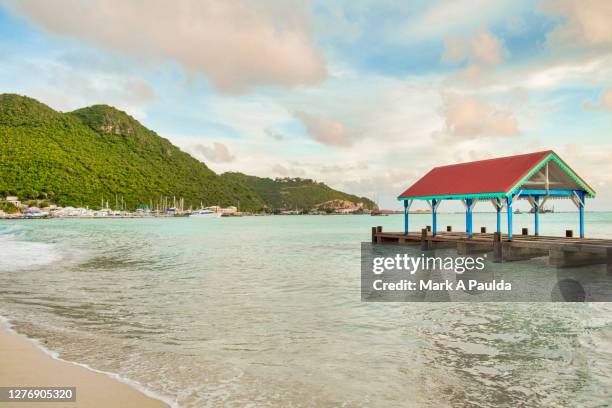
(483, 176)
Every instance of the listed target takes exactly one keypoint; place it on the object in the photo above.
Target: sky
(365, 96)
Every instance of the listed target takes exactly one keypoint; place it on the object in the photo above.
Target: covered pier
(501, 182)
(535, 177)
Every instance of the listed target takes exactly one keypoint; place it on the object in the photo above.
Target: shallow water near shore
(266, 311)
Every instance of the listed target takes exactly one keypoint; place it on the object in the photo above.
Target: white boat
(35, 213)
(204, 213)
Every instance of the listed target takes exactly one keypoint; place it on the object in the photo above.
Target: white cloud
(586, 23)
(218, 153)
(592, 161)
(389, 183)
(442, 18)
(335, 168)
(545, 75)
(555, 75)
(481, 48)
(606, 100)
(275, 135)
(324, 130)
(65, 87)
(604, 103)
(238, 44)
(286, 171)
(481, 51)
(467, 117)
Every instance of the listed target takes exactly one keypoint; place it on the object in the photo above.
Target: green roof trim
(565, 167)
(573, 175)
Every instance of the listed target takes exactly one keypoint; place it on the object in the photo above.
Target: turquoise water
(266, 311)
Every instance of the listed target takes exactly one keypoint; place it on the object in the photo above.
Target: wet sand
(23, 364)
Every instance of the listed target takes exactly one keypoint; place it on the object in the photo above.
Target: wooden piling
(373, 235)
(449, 228)
(424, 240)
(429, 228)
(497, 248)
(525, 231)
(483, 230)
(569, 233)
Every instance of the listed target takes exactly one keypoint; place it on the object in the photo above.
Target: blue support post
(536, 213)
(581, 209)
(406, 217)
(509, 213)
(498, 216)
(468, 216)
(434, 220)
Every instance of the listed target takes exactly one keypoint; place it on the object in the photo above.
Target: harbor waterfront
(267, 310)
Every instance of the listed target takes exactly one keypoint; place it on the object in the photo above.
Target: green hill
(291, 193)
(95, 153)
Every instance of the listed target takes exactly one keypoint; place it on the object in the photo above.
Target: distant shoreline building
(13, 200)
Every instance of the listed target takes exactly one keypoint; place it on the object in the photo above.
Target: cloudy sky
(363, 95)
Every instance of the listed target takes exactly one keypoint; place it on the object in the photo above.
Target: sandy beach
(23, 364)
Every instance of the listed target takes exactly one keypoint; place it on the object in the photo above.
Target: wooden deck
(562, 251)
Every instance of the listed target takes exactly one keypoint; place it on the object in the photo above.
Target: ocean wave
(16, 254)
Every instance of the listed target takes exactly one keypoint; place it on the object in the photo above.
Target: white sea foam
(5, 324)
(16, 254)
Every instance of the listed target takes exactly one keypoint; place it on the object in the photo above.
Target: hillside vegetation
(100, 153)
(295, 193)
